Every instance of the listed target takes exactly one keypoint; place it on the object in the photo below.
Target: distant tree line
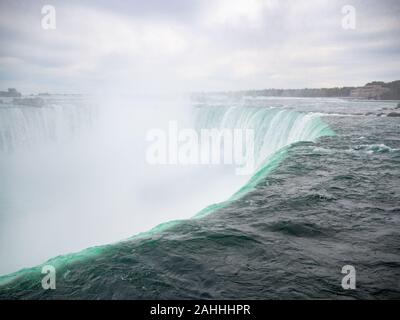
(307, 92)
(392, 94)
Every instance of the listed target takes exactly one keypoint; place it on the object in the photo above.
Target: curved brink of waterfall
(275, 130)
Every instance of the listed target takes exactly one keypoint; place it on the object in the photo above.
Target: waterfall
(25, 127)
(274, 129)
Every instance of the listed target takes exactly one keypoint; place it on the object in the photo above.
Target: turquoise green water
(325, 195)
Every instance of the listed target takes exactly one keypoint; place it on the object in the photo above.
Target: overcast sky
(183, 45)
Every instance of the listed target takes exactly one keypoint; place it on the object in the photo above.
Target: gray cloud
(197, 45)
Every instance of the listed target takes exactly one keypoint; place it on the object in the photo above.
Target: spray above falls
(87, 175)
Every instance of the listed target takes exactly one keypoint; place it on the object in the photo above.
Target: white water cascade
(74, 176)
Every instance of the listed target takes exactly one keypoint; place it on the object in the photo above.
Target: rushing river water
(326, 194)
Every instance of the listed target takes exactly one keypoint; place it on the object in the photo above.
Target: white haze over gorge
(97, 188)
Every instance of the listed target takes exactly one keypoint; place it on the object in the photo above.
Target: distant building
(11, 93)
(369, 91)
(31, 102)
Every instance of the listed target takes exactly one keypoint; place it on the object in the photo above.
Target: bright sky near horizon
(181, 45)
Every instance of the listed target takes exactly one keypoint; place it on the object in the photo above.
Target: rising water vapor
(87, 181)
